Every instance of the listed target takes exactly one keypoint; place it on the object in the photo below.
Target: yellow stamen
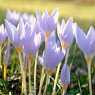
(50, 72)
(18, 49)
(47, 34)
(88, 59)
(64, 45)
(64, 89)
(30, 56)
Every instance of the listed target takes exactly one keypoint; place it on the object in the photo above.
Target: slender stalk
(29, 75)
(23, 75)
(56, 79)
(4, 71)
(88, 61)
(41, 81)
(64, 91)
(67, 55)
(80, 87)
(35, 71)
(47, 82)
(6, 60)
(57, 73)
(89, 77)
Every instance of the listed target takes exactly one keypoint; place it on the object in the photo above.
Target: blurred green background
(81, 10)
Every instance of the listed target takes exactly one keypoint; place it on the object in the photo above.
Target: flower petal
(67, 32)
(13, 17)
(55, 14)
(65, 75)
(81, 39)
(10, 30)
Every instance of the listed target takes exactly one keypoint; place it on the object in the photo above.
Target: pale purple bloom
(32, 39)
(15, 34)
(52, 54)
(48, 22)
(65, 32)
(65, 75)
(28, 18)
(3, 33)
(13, 17)
(85, 42)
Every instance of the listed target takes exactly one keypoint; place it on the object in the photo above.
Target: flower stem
(47, 82)
(67, 55)
(35, 71)
(89, 78)
(64, 91)
(80, 87)
(41, 80)
(29, 75)
(88, 61)
(4, 71)
(56, 78)
(23, 75)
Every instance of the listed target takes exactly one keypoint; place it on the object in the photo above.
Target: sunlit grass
(66, 8)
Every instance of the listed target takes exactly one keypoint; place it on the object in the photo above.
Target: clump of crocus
(48, 23)
(87, 44)
(31, 42)
(16, 35)
(65, 34)
(13, 17)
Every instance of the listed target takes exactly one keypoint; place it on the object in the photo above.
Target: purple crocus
(65, 75)
(28, 18)
(3, 33)
(65, 33)
(13, 17)
(15, 34)
(52, 54)
(85, 42)
(32, 39)
(48, 22)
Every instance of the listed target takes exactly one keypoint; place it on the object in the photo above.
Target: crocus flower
(32, 39)
(47, 22)
(65, 75)
(65, 33)
(28, 18)
(52, 54)
(3, 33)
(13, 17)
(85, 42)
(15, 34)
